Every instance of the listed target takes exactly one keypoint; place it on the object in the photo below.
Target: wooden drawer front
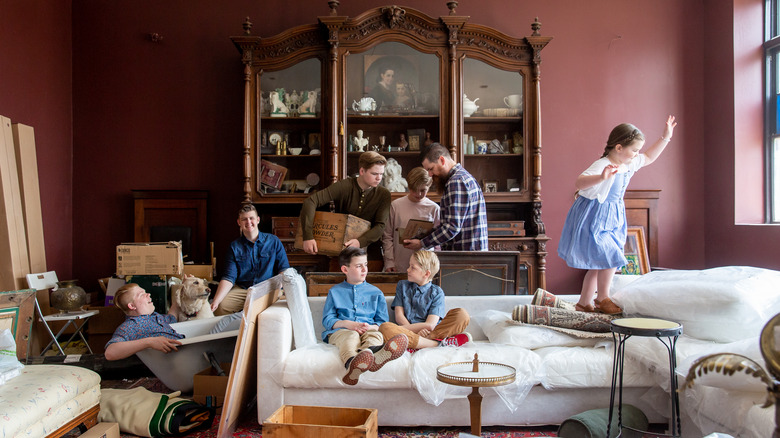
(506, 228)
(285, 233)
(284, 222)
(523, 245)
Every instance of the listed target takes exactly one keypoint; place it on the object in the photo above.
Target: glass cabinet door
(493, 129)
(392, 101)
(289, 147)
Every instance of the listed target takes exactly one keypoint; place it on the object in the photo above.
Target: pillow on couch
(723, 304)
(501, 329)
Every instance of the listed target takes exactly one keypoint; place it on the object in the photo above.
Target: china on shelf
(364, 105)
(469, 106)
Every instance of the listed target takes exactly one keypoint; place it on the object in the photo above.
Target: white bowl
(296, 151)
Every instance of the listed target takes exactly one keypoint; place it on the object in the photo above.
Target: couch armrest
(274, 343)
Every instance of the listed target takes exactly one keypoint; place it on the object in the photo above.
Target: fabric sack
(144, 413)
(593, 424)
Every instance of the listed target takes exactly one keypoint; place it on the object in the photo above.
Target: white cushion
(578, 367)
(501, 329)
(721, 304)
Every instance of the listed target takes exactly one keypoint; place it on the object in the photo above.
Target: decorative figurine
(428, 140)
(279, 109)
(402, 144)
(309, 106)
(360, 142)
(392, 179)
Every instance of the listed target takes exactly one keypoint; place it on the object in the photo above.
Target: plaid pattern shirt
(463, 215)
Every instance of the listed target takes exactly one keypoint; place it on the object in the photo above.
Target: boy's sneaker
(358, 365)
(455, 341)
(393, 349)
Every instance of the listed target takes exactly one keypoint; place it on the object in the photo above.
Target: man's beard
(440, 184)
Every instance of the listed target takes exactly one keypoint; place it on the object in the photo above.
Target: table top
(646, 327)
(66, 316)
(489, 374)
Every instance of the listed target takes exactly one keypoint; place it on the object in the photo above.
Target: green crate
(156, 286)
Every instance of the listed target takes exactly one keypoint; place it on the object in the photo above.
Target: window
(772, 59)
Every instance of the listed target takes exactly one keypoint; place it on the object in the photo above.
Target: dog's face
(193, 289)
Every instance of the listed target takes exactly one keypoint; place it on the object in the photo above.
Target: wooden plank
(27, 166)
(13, 243)
(243, 375)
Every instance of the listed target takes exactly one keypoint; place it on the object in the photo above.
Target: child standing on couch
(419, 308)
(353, 312)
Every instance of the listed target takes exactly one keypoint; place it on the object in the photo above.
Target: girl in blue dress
(595, 229)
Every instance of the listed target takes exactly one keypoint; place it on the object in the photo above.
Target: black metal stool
(624, 328)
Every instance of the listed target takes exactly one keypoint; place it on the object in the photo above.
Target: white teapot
(364, 105)
(469, 106)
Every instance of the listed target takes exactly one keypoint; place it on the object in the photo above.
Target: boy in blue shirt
(419, 308)
(353, 312)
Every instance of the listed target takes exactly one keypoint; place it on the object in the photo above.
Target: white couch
(563, 375)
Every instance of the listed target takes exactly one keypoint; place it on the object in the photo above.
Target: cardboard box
(156, 286)
(321, 421)
(156, 258)
(332, 230)
(102, 430)
(106, 321)
(208, 383)
(205, 272)
(113, 285)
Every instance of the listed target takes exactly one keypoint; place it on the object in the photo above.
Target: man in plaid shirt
(463, 214)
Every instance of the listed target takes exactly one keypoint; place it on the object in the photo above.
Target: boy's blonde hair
(122, 298)
(418, 178)
(428, 260)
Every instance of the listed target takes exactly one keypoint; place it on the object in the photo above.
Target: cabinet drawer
(285, 233)
(284, 222)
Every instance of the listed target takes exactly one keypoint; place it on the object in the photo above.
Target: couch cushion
(582, 367)
(721, 304)
(45, 397)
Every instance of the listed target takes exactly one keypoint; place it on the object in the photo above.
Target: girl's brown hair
(623, 134)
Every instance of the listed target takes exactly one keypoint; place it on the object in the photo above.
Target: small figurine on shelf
(279, 109)
(309, 106)
(428, 140)
(392, 179)
(293, 101)
(382, 143)
(402, 144)
(360, 142)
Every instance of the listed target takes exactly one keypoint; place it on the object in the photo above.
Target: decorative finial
(535, 26)
(475, 367)
(452, 5)
(247, 26)
(333, 5)
(155, 37)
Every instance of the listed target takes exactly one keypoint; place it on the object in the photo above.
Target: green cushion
(593, 424)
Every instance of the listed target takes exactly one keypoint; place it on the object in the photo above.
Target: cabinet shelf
(480, 119)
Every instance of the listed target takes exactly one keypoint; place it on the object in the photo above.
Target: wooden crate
(332, 230)
(319, 283)
(321, 422)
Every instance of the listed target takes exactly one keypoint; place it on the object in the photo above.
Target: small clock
(274, 138)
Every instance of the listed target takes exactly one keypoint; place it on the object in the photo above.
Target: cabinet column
(332, 114)
(455, 119)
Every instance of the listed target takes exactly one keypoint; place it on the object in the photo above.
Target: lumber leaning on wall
(13, 243)
(27, 166)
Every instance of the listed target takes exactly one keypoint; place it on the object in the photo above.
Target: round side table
(665, 331)
(476, 374)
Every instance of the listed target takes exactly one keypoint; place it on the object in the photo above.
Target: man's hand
(310, 246)
(353, 242)
(413, 244)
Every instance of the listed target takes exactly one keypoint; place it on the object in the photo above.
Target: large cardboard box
(332, 230)
(321, 421)
(151, 258)
(102, 430)
(208, 384)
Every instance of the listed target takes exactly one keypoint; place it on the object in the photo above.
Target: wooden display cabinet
(434, 61)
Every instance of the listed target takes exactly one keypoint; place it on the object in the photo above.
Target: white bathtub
(177, 368)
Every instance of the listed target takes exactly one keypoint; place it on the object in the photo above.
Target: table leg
(475, 403)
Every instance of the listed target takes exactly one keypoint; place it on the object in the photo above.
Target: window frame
(771, 49)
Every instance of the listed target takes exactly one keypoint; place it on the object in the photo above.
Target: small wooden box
(506, 228)
(332, 230)
(272, 174)
(321, 422)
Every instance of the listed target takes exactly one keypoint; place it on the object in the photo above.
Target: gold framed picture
(489, 186)
(636, 253)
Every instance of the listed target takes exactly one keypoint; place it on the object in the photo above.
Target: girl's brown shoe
(586, 308)
(607, 306)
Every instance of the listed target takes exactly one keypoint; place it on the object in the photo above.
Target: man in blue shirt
(463, 213)
(252, 258)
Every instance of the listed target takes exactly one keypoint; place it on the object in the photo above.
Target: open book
(415, 229)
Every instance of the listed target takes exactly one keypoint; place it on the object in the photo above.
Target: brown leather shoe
(586, 308)
(607, 306)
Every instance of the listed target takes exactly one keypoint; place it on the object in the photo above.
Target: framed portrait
(272, 174)
(314, 140)
(391, 80)
(489, 186)
(635, 251)
(415, 138)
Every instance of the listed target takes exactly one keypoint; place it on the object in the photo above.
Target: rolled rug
(569, 319)
(548, 299)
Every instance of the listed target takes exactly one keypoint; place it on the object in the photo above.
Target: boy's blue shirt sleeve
(437, 304)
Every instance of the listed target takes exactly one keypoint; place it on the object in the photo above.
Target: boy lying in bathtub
(143, 328)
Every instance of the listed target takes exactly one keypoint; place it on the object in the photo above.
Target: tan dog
(192, 296)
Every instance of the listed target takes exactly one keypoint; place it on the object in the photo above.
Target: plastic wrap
(721, 304)
(10, 366)
(427, 360)
(501, 329)
(298, 303)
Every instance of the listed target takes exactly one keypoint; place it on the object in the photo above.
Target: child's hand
(609, 171)
(424, 333)
(360, 327)
(669, 128)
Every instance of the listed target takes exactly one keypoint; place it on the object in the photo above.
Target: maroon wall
(35, 90)
(168, 115)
